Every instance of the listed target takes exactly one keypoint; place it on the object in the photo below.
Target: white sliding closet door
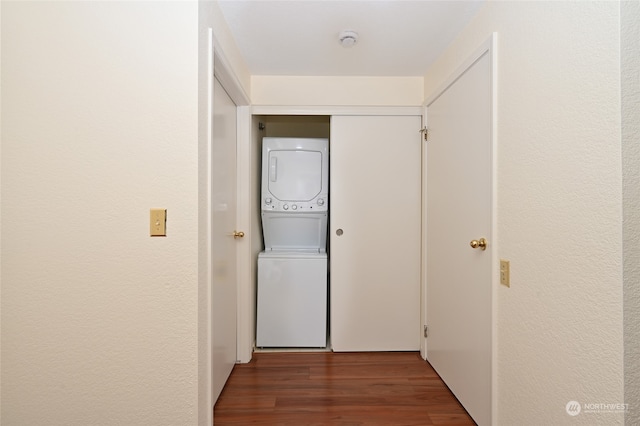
(375, 228)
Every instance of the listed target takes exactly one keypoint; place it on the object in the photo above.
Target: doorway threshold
(327, 348)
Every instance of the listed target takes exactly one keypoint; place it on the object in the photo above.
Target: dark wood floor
(373, 388)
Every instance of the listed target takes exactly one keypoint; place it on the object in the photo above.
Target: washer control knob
(286, 207)
(294, 207)
(320, 202)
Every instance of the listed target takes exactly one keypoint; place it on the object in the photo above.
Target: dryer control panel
(319, 204)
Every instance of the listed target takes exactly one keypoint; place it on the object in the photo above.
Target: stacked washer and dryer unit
(292, 270)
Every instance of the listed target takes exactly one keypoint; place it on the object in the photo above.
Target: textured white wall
(339, 91)
(630, 52)
(99, 124)
(559, 205)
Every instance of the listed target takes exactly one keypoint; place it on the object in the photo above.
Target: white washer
(292, 299)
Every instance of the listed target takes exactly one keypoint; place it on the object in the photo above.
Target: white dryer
(295, 193)
(292, 270)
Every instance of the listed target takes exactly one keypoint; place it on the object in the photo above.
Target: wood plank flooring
(326, 388)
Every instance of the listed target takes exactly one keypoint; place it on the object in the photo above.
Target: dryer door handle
(273, 169)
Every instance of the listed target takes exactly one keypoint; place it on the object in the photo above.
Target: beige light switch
(158, 222)
(504, 273)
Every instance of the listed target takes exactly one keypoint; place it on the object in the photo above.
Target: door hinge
(426, 331)
(425, 131)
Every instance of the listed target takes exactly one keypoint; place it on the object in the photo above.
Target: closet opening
(290, 187)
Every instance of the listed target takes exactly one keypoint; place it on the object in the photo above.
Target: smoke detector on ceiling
(348, 38)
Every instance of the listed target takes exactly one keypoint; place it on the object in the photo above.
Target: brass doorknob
(482, 243)
(238, 234)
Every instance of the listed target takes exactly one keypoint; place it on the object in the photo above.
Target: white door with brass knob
(459, 246)
(224, 239)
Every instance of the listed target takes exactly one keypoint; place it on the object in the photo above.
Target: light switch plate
(505, 279)
(158, 223)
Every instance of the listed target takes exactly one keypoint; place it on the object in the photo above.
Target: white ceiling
(300, 37)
